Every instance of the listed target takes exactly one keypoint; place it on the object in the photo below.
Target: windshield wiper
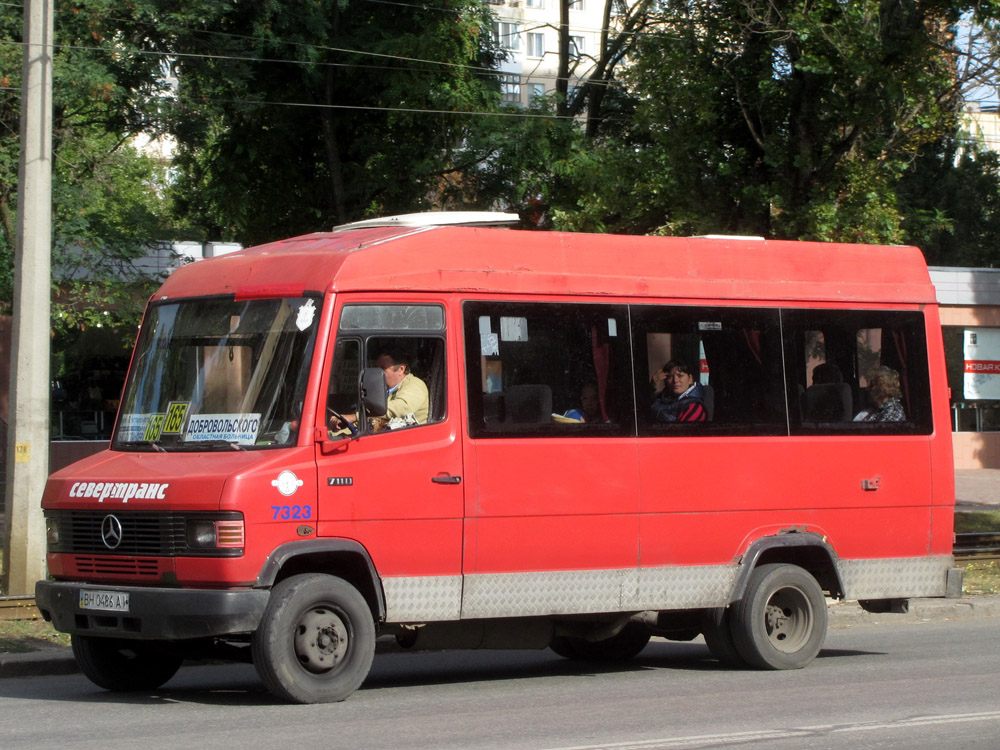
(196, 445)
(142, 444)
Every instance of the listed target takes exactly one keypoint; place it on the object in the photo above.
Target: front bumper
(153, 613)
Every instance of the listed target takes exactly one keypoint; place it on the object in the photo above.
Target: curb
(51, 661)
(847, 614)
(59, 660)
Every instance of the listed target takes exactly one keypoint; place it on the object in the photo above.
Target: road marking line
(732, 738)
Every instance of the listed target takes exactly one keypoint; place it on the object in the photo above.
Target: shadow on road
(237, 684)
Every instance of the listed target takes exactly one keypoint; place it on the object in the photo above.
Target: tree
(790, 119)
(295, 121)
(107, 198)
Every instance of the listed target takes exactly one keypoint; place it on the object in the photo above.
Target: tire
(780, 623)
(126, 665)
(626, 644)
(316, 641)
(719, 637)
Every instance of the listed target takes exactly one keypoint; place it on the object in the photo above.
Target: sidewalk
(58, 660)
(977, 489)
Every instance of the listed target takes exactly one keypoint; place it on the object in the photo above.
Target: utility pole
(28, 440)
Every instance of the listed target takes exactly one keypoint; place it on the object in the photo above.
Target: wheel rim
(321, 639)
(788, 619)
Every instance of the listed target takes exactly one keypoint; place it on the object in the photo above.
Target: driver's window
(342, 396)
(407, 343)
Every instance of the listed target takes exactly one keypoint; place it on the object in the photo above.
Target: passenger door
(552, 502)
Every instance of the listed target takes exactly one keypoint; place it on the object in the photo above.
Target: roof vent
(437, 218)
(740, 237)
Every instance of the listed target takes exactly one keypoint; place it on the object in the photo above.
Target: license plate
(107, 601)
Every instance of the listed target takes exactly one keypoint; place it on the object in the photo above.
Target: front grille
(116, 566)
(143, 533)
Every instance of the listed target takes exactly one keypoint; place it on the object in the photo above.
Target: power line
(241, 58)
(327, 48)
(372, 108)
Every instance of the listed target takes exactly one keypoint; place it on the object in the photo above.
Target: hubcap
(788, 620)
(321, 640)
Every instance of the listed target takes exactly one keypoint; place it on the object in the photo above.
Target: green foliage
(953, 203)
(272, 149)
(108, 204)
(791, 119)
(821, 120)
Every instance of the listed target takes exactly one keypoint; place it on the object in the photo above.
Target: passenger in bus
(885, 394)
(828, 399)
(407, 400)
(679, 397)
(589, 409)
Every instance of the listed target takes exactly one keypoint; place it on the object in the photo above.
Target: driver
(406, 394)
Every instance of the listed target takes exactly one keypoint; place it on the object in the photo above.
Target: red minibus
(468, 436)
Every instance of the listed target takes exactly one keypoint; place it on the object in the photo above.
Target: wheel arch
(805, 549)
(344, 558)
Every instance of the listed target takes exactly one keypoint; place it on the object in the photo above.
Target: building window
(576, 4)
(510, 88)
(576, 48)
(537, 90)
(507, 35)
(535, 3)
(536, 44)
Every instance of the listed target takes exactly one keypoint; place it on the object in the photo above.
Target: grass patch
(982, 577)
(23, 636)
(977, 521)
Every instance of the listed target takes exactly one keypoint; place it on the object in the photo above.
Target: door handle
(447, 479)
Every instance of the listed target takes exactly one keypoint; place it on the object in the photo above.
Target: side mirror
(373, 396)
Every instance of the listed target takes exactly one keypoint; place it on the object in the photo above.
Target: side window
(548, 369)
(857, 371)
(708, 370)
(407, 343)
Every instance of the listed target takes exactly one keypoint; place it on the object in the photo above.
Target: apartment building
(529, 31)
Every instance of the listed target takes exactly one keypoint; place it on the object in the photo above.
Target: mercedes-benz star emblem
(111, 532)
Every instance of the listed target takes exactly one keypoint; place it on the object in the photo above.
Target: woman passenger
(885, 393)
(679, 398)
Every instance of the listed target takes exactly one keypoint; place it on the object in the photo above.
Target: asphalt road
(907, 685)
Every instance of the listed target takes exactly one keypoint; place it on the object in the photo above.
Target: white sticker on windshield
(305, 317)
(132, 427)
(233, 428)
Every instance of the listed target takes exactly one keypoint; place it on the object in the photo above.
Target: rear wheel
(125, 665)
(316, 641)
(628, 642)
(780, 623)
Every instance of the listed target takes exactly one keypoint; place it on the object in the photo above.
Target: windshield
(218, 374)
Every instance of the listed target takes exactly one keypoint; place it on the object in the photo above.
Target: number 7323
(291, 512)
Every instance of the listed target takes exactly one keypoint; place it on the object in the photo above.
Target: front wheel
(717, 630)
(780, 623)
(316, 641)
(125, 665)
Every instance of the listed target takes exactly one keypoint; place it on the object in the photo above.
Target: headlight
(201, 534)
(205, 533)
